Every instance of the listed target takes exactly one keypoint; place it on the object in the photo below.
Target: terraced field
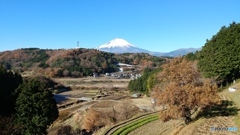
(134, 125)
(158, 128)
(139, 119)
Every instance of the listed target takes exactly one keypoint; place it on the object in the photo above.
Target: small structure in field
(120, 69)
(230, 89)
(84, 99)
(136, 95)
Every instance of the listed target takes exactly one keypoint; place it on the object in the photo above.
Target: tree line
(145, 83)
(26, 105)
(73, 62)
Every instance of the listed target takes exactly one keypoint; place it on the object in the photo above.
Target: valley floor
(201, 126)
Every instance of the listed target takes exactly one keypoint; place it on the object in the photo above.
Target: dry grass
(105, 104)
(99, 82)
(157, 128)
(174, 127)
(188, 129)
(235, 97)
(63, 115)
(202, 126)
(199, 127)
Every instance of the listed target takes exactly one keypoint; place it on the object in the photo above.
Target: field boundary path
(119, 125)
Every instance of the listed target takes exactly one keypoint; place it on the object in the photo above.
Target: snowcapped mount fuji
(119, 45)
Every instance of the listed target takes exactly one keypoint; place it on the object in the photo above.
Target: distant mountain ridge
(180, 52)
(119, 45)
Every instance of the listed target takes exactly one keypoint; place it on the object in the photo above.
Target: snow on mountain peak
(117, 42)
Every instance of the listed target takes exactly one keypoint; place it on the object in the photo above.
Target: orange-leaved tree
(182, 90)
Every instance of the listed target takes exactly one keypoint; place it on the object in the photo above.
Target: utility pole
(77, 45)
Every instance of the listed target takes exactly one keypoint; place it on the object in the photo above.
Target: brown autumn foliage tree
(93, 120)
(182, 90)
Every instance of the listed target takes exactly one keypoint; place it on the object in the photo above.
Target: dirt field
(99, 88)
(173, 127)
(105, 93)
(100, 82)
(105, 104)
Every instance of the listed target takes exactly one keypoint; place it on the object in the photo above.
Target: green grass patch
(91, 92)
(235, 97)
(132, 126)
(87, 94)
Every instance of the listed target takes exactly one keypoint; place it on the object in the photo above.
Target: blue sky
(155, 25)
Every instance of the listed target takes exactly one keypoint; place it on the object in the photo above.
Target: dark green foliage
(7, 65)
(59, 62)
(191, 56)
(40, 56)
(141, 84)
(220, 56)
(226, 108)
(25, 108)
(35, 107)
(51, 84)
(43, 65)
(152, 80)
(9, 81)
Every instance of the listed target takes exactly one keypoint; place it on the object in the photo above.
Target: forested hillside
(27, 106)
(72, 62)
(220, 56)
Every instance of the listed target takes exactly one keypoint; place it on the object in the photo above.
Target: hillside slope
(72, 62)
(201, 126)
